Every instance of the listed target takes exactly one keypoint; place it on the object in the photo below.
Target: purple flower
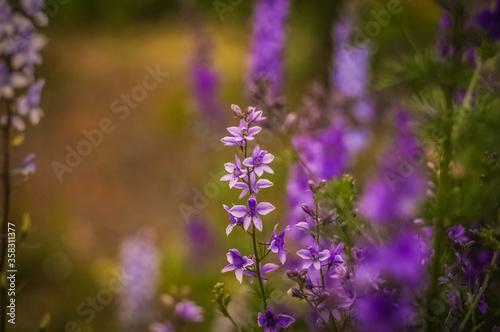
(252, 212)
(237, 263)
(483, 307)
(272, 322)
(29, 105)
(27, 49)
(334, 303)
(260, 184)
(312, 256)
(28, 167)
(259, 161)
(241, 134)
(457, 234)
(254, 115)
(189, 311)
(233, 221)
(205, 83)
(10, 81)
(268, 44)
(32, 7)
(161, 327)
(306, 225)
(490, 21)
(236, 172)
(277, 244)
(139, 260)
(335, 259)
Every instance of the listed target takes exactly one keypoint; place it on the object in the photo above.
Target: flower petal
(238, 211)
(264, 208)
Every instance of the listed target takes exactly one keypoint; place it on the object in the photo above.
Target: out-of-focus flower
(10, 81)
(29, 105)
(277, 244)
(490, 21)
(28, 167)
(457, 234)
(266, 61)
(252, 212)
(333, 304)
(237, 263)
(161, 327)
(139, 259)
(313, 257)
(272, 322)
(189, 311)
(336, 259)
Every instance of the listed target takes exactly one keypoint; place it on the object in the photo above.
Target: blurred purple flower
(10, 81)
(490, 21)
(161, 327)
(457, 234)
(237, 263)
(272, 322)
(29, 105)
(336, 259)
(266, 62)
(139, 260)
(351, 62)
(333, 304)
(188, 311)
(205, 82)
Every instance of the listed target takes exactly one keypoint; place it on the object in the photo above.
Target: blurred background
(138, 181)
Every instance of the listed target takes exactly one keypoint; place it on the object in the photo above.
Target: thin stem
(254, 240)
(472, 85)
(480, 294)
(6, 212)
(319, 315)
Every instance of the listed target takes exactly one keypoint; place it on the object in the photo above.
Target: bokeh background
(157, 157)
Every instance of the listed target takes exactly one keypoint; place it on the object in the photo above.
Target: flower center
(238, 262)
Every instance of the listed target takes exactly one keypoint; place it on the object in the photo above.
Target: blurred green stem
(472, 85)
(474, 303)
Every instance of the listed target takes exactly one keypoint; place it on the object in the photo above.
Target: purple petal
(238, 211)
(227, 268)
(239, 275)
(257, 222)
(264, 208)
(285, 320)
(304, 253)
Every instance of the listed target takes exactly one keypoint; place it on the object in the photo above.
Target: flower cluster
(246, 176)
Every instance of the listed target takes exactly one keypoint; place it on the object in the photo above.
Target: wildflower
(161, 327)
(335, 259)
(457, 234)
(237, 263)
(252, 212)
(267, 268)
(333, 303)
(306, 225)
(28, 167)
(188, 311)
(255, 186)
(490, 21)
(233, 221)
(277, 244)
(236, 172)
(241, 134)
(254, 115)
(30, 104)
(272, 322)
(10, 81)
(259, 161)
(312, 256)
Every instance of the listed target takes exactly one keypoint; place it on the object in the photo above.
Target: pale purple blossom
(277, 244)
(252, 212)
(189, 311)
(161, 327)
(241, 134)
(29, 105)
(254, 185)
(236, 172)
(237, 263)
(457, 234)
(259, 161)
(233, 221)
(313, 257)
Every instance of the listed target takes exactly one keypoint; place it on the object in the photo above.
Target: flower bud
(237, 110)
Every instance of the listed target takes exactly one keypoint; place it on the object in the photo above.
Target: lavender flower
(272, 322)
(237, 263)
(139, 259)
(306, 225)
(351, 63)
(252, 212)
(236, 172)
(241, 134)
(29, 105)
(189, 311)
(205, 82)
(457, 234)
(233, 221)
(259, 161)
(161, 327)
(268, 44)
(254, 185)
(490, 21)
(277, 244)
(335, 259)
(312, 256)
(333, 304)
(10, 81)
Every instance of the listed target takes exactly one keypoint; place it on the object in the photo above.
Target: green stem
(472, 85)
(474, 303)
